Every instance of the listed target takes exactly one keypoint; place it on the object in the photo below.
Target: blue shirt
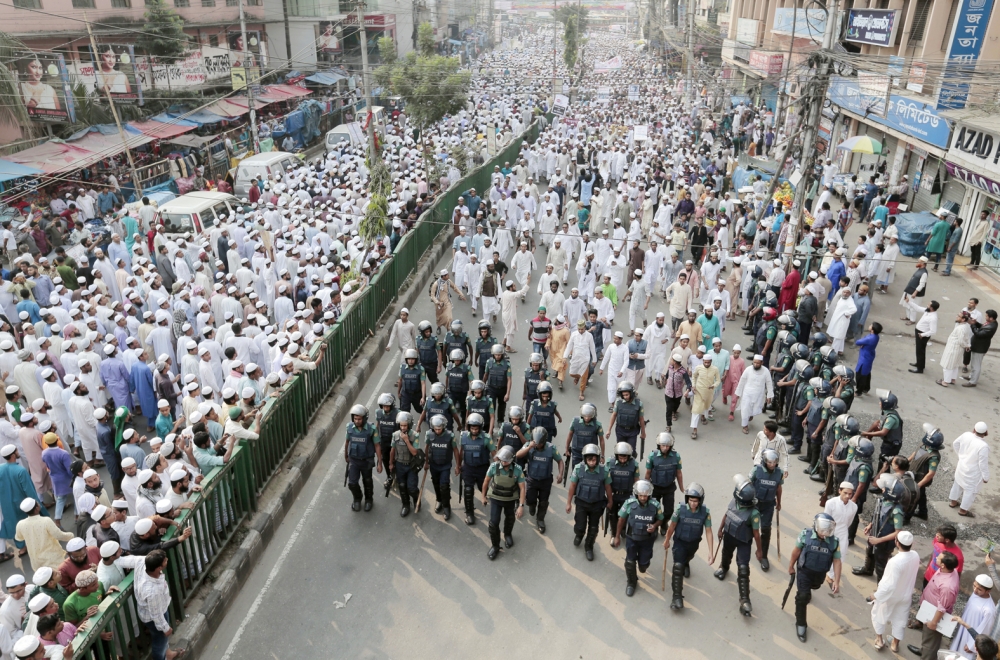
(30, 306)
(776, 227)
(866, 357)
(836, 271)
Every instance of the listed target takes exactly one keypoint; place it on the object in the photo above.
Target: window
(176, 223)
(83, 4)
(232, 3)
(121, 4)
(213, 40)
(182, 3)
(28, 4)
(207, 3)
(920, 14)
(85, 54)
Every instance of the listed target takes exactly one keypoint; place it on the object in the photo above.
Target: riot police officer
(474, 461)
(590, 489)
(797, 400)
(439, 404)
(544, 411)
(627, 417)
(740, 527)
(458, 378)
(407, 457)
(843, 384)
(815, 422)
(498, 379)
(765, 334)
(859, 473)
(664, 471)
(411, 387)
(362, 452)
(827, 362)
(540, 455)
(428, 348)
(840, 454)
(639, 516)
(514, 434)
(477, 402)
(533, 376)
(385, 421)
(455, 340)
(687, 524)
(440, 448)
(834, 409)
(504, 486)
(884, 526)
(767, 479)
(816, 550)
(889, 427)
(924, 464)
(484, 345)
(782, 367)
(800, 411)
(624, 473)
(584, 431)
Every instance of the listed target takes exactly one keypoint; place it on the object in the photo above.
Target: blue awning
(9, 170)
(325, 78)
(201, 117)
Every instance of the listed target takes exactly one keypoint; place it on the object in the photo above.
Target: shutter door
(924, 200)
(954, 191)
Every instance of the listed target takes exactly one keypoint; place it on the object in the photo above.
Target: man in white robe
(107, 269)
(615, 360)
(574, 309)
(474, 280)
(81, 410)
(842, 509)
(459, 261)
(972, 468)
(581, 353)
(895, 590)
(755, 389)
(839, 320)
(979, 612)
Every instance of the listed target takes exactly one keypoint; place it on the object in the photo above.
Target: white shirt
(927, 325)
(615, 358)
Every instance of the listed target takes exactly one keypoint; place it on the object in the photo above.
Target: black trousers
(497, 507)
(360, 470)
(977, 254)
(441, 480)
(730, 546)
(921, 349)
(587, 520)
(805, 327)
(499, 405)
(879, 555)
(472, 483)
(852, 531)
(430, 371)
(805, 581)
(665, 496)
(408, 399)
(673, 405)
(537, 493)
(864, 382)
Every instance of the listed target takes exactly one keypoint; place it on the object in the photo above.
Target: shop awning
(54, 157)
(275, 93)
(194, 141)
(11, 170)
(232, 107)
(157, 129)
(328, 78)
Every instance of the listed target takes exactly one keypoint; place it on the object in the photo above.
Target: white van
(346, 135)
(261, 165)
(196, 212)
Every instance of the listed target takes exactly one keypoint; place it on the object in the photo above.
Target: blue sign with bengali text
(915, 118)
(966, 44)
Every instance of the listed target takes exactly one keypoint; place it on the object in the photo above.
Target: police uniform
(688, 532)
(766, 331)
(428, 348)
(584, 433)
(806, 395)
(815, 559)
(457, 381)
(540, 469)
(591, 500)
(738, 526)
(459, 341)
(498, 374)
(924, 461)
(766, 486)
(476, 457)
(482, 405)
(623, 477)
(508, 438)
(859, 473)
(483, 347)
(814, 417)
(532, 379)
(780, 371)
(638, 539)
(361, 458)
(544, 415)
(503, 494)
(407, 466)
(440, 451)
(663, 469)
(893, 440)
(411, 379)
(443, 406)
(386, 424)
(628, 414)
(889, 518)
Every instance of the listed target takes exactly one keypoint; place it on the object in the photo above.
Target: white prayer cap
(15, 580)
(247, 392)
(813, 275)
(75, 543)
(26, 417)
(678, 357)
(27, 504)
(981, 428)
(100, 413)
(109, 349)
(127, 434)
(164, 506)
(143, 526)
(736, 347)
(128, 461)
(145, 476)
(758, 357)
(7, 450)
(178, 474)
(90, 473)
(109, 548)
(42, 576)
(99, 512)
(620, 334)
(984, 581)
(685, 336)
(162, 403)
(905, 537)
(38, 403)
(444, 271)
(26, 646)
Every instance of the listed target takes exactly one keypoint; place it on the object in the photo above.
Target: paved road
(423, 587)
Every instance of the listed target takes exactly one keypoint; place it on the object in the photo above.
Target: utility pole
(690, 54)
(366, 80)
(250, 85)
(114, 111)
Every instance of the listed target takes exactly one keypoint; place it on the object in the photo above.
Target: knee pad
(643, 567)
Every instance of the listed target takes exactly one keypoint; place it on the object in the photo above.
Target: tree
(12, 110)
(430, 85)
(564, 13)
(572, 44)
(163, 32)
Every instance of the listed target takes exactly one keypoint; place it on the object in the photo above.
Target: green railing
(229, 494)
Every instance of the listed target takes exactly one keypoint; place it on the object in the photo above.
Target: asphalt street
(334, 583)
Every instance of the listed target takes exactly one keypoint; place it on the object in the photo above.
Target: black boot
(439, 507)
(404, 496)
(765, 543)
(631, 579)
(540, 518)
(356, 492)
(470, 506)
(677, 586)
(809, 457)
(687, 569)
(588, 544)
(743, 583)
(444, 499)
(869, 567)
(369, 492)
(577, 539)
(494, 542)
(801, 603)
(819, 475)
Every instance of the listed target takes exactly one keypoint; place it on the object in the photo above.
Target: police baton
(791, 583)
(347, 472)
(566, 459)
(663, 582)
(777, 522)
(420, 494)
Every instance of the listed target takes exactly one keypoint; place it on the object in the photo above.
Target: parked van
(262, 165)
(196, 212)
(352, 134)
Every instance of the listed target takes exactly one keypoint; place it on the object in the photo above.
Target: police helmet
(404, 418)
(497, 350)
(535, 358)
(865, 448)
(800, 351)
(485, 325)
(849, 375)
(539, 436)
(933, 438)
(830, 358)
(506, 454)
(770, 313)
(665, 439)
(437, 389)
(424, 326)
(825, 351)
(893, 489)
(757, 272)
(543, 388)
(456, 326)
(785, 319)
(852, 426)
(358, 409)
(837, 406)
(386, 399)
(623, 449)
(411, 354)
(807, 373)
(592, 450)
(477, 385)
(588, 410)
(457, 354)
(744, 491)
(887, 399)
(694, 490)
(840, 370)
(642, 488)
(626, 386)
(824, 524)
(516, 411)
(800, 365)
(438, 422)
(819, 339)
(475, 419)
(824, 388)
(770, 457)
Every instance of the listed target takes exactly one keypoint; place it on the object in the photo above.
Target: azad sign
(976, 149)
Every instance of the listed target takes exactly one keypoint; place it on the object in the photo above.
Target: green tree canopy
(564, 13)
(163, 32)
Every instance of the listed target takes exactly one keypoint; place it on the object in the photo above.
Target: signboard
(766, 63)
(372, 20)
(236, 48)
(874, 91)
(197, 68)
(908, 116)
(115, 73)
(966, 43)
(560, 105)
(918, 72)
(974, 148)
(614, 64)
(802, 23)
(747, 31)
(243, 76)
(876, 27)
(604, 94)
(491, 139)
(972, 179)
(640, 133)
(633, 92)
(44, 86)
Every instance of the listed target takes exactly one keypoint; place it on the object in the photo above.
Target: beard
(757, 367)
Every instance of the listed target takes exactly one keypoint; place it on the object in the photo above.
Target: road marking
(298, 528)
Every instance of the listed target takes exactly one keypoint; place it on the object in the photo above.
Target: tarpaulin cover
(326, 78)
(55, 156)
(914, 230)
(10, 170)
(158, 129)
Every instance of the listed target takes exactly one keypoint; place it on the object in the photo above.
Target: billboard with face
(236, 48)
(44, 87)
(116, 74)
(329, 40)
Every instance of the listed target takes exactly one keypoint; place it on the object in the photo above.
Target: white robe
(973, 465)
(508, 309)
(656, 360)
(580, 352)
(840, 320)
(978, 613)
(754, 389)
(894, 593)
(81, 410)
(886, 272)
(843, 515)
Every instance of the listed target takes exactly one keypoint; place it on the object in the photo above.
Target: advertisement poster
(633, 92)
(115, 71)
(603, 94)
(560, 105)
(236, 49)
(44, 87)
(876, 27)
(963, 52)
(328, 41)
